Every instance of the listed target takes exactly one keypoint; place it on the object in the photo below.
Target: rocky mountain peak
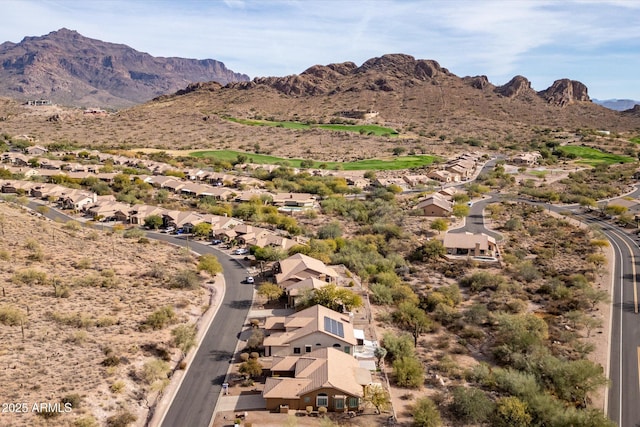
(516, 87)
(68, 68)
(403, 66)
(564, 91)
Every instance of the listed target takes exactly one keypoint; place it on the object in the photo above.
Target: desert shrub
(184, 337)
(244, 357)
(157, 272)
(29, 277)
(86, 421)
(210, 264)
(255, 340)
(426, 414)
(82, 264)
(5, 255)
(72, 225)
(398, 346)
(133, 233)
(154, 370)
(48, 414)
(111, 360)
(511, 412)
(73, 399)
(11, 316)
(144, 241)
(76, 320)
(381, 294)
(408, 372)
(184, 279)
(471, 405)
(121, 419)
(32, 245)
(482, 280)
(105, 321)
(251, 368)
(160, 318)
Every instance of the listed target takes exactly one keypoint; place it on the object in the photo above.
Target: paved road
(624, 358)
(198, 394)
(624, 392)
(196, 399)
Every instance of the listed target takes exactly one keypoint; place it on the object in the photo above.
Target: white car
(241, 251)
(250, 280)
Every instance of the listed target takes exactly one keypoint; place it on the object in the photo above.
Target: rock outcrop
(516, 87)
(564, 91)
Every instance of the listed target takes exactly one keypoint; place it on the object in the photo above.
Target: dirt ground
(57, 345)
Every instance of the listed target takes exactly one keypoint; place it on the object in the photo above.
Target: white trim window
(322, 400)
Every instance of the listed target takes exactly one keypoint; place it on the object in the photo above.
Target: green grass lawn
(365, 129)
(402, 162)
(592, 156)
(635, 139)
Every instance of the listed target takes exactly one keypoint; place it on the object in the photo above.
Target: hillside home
(435, 205)
(301, 200)
(526, 159)
(77, 200)
(299, 267)
(36, 150)
(443, 176)
(307, 330)
(16, 159)
(323, 378)
(470, 244)
(106, 211)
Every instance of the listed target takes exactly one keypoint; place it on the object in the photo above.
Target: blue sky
(596, 42)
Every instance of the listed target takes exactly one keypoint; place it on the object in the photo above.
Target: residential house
(443, 176)
(141, 212)
(50, 164)
(415, 180)
(77, 200)
(16, 159)
(470, 244)
(36, 150)
(160, 181)
(294, 290)
(15, 187)
(299, 267)
(44, 191)
(435, 205)
(300, 200)
(174, 185)
(106, 211)
(181, 219)
(325, 377)
(526, 159)
(312, 328)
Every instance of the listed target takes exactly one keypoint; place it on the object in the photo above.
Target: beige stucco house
(307, 330)
(323, 378)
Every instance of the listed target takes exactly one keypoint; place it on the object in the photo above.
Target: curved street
(195, 400)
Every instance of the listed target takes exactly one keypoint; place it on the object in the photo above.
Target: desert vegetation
(92, 318)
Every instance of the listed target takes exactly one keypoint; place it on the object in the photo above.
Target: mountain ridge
(71, 69)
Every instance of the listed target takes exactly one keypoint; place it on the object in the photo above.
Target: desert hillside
(77, 319)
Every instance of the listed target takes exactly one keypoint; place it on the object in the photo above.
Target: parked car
(241, 251)
(250, 280)
(216, 242)
(169, 229)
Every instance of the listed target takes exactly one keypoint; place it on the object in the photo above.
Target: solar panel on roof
(333, 327)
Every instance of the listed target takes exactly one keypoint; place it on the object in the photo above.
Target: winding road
(195, 400)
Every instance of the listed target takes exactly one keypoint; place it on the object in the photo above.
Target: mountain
(617, 104)
(432, 109)
(71, 69)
